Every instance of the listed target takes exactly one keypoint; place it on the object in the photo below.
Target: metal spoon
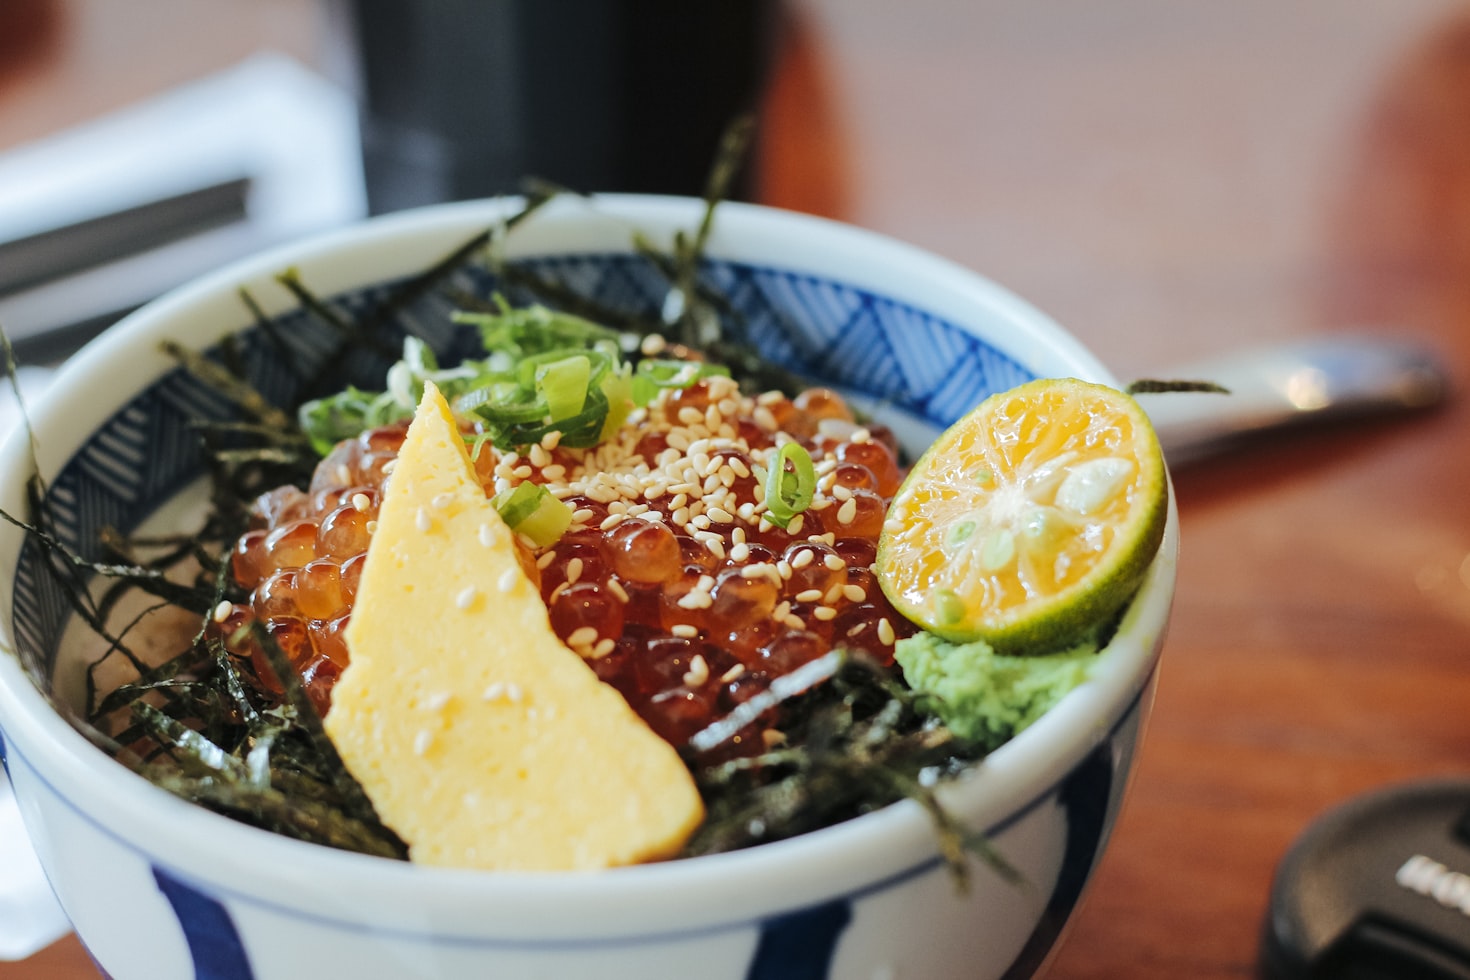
(1290, 384)
(1271, 387)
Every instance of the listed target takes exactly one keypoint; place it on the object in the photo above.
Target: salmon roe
(671, 581)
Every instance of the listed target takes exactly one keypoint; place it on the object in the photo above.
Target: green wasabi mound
(984, 696)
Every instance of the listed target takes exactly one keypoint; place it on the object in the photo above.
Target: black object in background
(1378, 889)
(465, 98)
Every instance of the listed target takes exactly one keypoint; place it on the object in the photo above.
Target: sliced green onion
(618, 389)
(327, 421)
(654, 374)
(789, 491)
(563, 384)
(530, 510)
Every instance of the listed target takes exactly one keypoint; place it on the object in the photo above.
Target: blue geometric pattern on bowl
(149, 450)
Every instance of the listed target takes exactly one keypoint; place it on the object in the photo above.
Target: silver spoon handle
(1288, 384)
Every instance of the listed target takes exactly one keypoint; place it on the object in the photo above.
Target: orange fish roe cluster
(671, 579)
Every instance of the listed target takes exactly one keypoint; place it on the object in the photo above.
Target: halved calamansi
(1030, 520)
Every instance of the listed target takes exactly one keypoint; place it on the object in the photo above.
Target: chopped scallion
(563, 384)
(530, 510)
(791, 483)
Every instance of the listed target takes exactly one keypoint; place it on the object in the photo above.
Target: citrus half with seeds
(1030, 521)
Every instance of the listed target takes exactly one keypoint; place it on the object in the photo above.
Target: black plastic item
(1378, 888)
(465, 98)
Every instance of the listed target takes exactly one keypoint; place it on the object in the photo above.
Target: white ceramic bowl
(159, 888)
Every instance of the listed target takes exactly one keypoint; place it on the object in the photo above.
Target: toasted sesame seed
(809, 595)
(885, 632)
(371, 527)
(582, 636)
(616, 588)
(574, 570)
(422, 520)
(507, 581)
(390, 466)
(603, 648)
(521, 472)
(222, 611)
(825, 613)
(361, 502)
(740, 552)
(795, 525)
(652, 344)
(734, 673)
(784, 568)
(698, 671)
(610, 521)
(555, 471)
(842, 493)
(854, 593)
(803, 558)
(544, 562)
(466, 597)
(538, 456)
(441, 501)
(772, 738)
(720, 516)
(556, 592)
(833, 562)
(782, 611)
(847, 512)
(794, 621)
(833, 594)
(551, 440)
(684, 630)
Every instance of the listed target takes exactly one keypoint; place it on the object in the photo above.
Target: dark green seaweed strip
(294, 815)
(1152, 386)
(306, 716)
(227, 384)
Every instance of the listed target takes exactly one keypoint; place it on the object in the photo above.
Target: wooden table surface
(1169, 180)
